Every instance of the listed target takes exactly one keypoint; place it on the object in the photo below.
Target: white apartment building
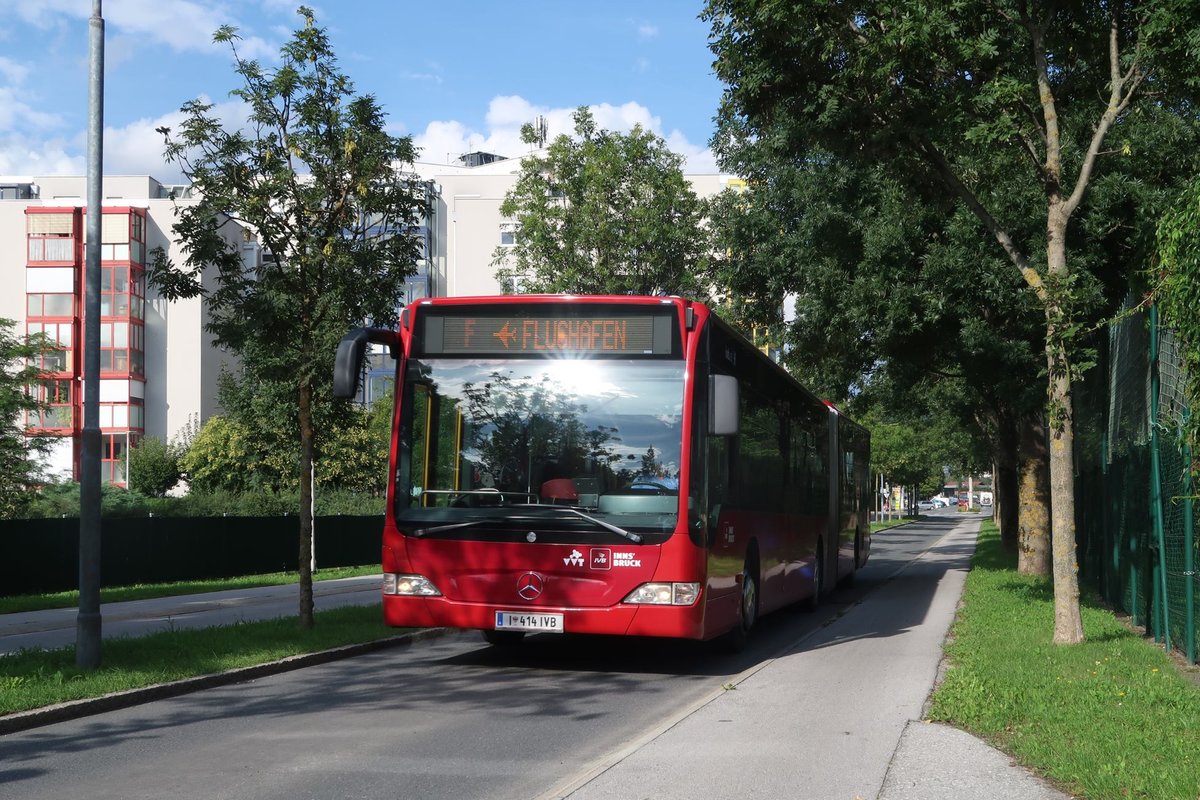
(158, 366)
(467, 225)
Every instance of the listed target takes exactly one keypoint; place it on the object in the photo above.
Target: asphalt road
(452, 718)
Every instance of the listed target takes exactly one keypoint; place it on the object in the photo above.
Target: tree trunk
(1033, 552)
(1005, 504)
(1068, 622)
(306, 495)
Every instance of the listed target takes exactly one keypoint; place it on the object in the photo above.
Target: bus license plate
(520, 621)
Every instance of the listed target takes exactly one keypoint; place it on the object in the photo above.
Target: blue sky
(457, 76)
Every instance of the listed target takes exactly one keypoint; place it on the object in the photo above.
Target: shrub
(153, 467)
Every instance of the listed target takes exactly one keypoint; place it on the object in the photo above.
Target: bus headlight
(664, 594)
(409, 585)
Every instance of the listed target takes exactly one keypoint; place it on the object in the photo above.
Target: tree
(220, 458)
(153, 467)
(898, 452)
(1178, 292)
(891, 287)
(604, 213)
(19, 453)
(355, 454)
(947, 94)
(317, 176)
(250, 448)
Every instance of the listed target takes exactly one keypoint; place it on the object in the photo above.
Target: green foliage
(906, 453)
(220, 458)
(1178, 292)
(153, 467)
(253, 447)
(55, 500)
(20, 454)
(604, 213)
(62, 500)
(355, 454)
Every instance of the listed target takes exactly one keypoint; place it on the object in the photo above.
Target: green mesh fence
(1134, 496)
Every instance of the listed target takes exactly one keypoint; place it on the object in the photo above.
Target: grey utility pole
(87, 636)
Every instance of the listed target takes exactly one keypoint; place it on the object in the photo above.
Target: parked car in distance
(927, 505)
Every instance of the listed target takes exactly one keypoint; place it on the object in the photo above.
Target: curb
(75, 709)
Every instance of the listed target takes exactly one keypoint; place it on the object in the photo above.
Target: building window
(50, 305)
(508, 233)
(51, 236)
(46, 249)
(57, 395)
(122, 347)
(61, 336)
(114, 450)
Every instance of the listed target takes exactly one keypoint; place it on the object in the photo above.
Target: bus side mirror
(722, 405)
(347, 364)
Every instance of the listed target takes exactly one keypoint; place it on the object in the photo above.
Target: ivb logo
(601, 558)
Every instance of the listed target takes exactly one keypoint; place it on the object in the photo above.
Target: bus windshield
(489, 439)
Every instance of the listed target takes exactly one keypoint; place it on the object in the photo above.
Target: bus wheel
(850, 577)
(814, 601)
(503, 638)
(735, 640)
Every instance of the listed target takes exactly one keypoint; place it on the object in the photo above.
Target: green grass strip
(36, 678)
(117, 594)
(1113, 717)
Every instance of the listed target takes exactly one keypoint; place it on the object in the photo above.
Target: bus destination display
(648, 334)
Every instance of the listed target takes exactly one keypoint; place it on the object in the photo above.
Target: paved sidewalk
(836, 718)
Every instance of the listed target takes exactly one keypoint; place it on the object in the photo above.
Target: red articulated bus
(605, 465)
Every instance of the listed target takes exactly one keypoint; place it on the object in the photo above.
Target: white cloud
(12, 71)
(624, 117)
(647, 31)
(137, 148)
(420, 77)
(698, 159)
(18, 117)
(182, 25)
(443, 142)
(21, 155)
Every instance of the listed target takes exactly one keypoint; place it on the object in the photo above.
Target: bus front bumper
(682, 622)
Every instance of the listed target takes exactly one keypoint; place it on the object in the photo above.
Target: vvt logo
(574, 560)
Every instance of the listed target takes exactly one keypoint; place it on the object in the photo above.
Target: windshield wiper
(419, 532)
(630, 535)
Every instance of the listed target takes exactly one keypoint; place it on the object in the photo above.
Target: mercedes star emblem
(530, 586)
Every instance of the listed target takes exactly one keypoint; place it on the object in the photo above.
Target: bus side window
(414, 417)
(718, 481)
